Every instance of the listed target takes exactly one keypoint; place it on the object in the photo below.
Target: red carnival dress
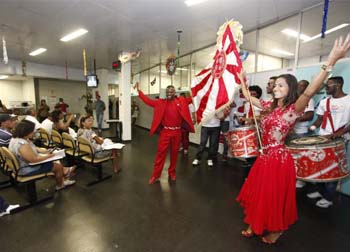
(268, 194)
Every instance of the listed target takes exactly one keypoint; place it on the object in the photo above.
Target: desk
(118, 128)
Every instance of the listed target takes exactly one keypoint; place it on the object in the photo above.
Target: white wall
(28, 90)
(70, 91)
(10, 91)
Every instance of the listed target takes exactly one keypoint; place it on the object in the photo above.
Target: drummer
(332, 117)
(255, 91)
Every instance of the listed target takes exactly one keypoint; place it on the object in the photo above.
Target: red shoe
(172, 177)
(247, 234)
(153, 180)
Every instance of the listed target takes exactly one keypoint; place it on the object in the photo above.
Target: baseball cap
(6, 117)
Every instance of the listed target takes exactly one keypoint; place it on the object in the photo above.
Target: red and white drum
(318, 159)
(243, 142)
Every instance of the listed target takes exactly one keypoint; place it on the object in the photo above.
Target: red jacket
(159, 109)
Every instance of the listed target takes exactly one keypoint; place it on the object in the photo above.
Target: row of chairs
(76, 151)
(79, 151)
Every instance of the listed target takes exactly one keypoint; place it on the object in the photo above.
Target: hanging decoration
(127, 56)
(153, 82)
(84, 61)
(324, 19)
(171, 65)
(24, 68)
(243, 55)
(215, 86)
(4, 51)
(66, 70)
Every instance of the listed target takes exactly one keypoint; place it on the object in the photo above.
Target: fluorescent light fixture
(295, 34)
(190, 3)
(327, 32)
(2, 77)
(74, 35)
(282, 52)
(37, 51)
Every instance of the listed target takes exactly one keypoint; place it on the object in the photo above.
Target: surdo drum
(318, 159)
(243, 142)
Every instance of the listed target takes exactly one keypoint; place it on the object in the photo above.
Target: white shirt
(47, 125)
(34, 120)
(340, 112)
(302, 127)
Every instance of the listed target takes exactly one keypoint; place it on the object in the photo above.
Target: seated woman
(58, 123)
(26, 152)
(85, 130)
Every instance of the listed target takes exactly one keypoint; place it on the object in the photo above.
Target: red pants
(185, 138)
(166, 138)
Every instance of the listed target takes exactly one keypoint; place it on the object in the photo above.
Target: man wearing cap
(8, 122)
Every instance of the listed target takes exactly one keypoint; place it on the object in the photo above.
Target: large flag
(216, 85)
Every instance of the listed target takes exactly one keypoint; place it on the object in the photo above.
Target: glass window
(249, 47)
(313, 48)
(154, 80)
(277, 44)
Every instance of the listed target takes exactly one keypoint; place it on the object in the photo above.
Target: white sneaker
(314, 195)
(300, 184)
(323, 203)
(185, 152)
(3, 213)
(210, 162)
(180, 149)
(195, 162)
(68, 182)
(11, 207)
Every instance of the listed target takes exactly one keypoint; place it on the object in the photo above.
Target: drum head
(244, 128)
(309, 140)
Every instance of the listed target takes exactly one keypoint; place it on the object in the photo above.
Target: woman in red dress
(268, 194)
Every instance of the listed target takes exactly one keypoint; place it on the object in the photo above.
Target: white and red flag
(216, 85)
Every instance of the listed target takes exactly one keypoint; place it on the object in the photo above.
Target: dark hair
(56, 115)
(83, 119)
(274, 77)
(292, 95)
(60, 99)
(170, 86)
(30, 111)
(257, 89)
(305, 82)
(337, 79)
(24, 128)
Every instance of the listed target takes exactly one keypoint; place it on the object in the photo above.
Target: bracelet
(308, 96)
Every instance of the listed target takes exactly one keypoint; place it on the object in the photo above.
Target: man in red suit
(170, 115)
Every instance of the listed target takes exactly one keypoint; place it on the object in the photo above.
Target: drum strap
(327, 115)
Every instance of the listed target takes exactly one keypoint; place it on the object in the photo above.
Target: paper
(59, 154)
(109, 145)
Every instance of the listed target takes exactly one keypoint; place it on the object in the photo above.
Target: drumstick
(255, 121)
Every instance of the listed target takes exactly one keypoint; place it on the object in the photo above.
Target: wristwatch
(327, 68)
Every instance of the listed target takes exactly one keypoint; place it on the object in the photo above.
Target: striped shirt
(5, 138)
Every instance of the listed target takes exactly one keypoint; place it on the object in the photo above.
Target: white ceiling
(124, 25)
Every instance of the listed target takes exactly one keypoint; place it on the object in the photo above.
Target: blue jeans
(3, 205)
(213, 134)
(99, 117)
(224, 127)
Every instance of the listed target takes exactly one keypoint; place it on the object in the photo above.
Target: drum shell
(243, 142)
(320, 162)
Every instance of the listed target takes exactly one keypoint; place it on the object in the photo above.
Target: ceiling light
(194, 2)
(282, 52)
(295, 34)
(37, 51)
(327, 32)
(74, 35)
(2, 77)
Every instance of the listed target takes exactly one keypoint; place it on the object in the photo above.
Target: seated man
(8, 122)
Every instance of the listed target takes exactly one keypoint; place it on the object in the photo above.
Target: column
(125, 100)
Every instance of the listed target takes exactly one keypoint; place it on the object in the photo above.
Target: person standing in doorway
(100, 108)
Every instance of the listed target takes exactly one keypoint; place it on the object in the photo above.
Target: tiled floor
(197, 213)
